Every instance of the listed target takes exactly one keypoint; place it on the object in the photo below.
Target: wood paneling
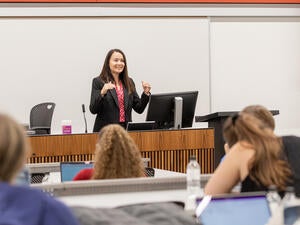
(167, 149)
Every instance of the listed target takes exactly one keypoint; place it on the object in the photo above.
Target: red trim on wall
(169, 1)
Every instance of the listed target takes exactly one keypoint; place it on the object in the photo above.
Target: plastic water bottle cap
(66, 122)
(192, 157)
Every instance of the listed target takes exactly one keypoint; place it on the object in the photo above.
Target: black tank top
(291, 145)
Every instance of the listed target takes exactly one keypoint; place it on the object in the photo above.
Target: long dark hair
(106, 75)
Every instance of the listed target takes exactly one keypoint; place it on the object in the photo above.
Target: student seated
(290, 144)
(116, 156)
(257, 159)
(258, 111)
(22, 204)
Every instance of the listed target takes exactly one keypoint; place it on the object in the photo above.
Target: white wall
(235, 55)
(55, 59)
(256, 61)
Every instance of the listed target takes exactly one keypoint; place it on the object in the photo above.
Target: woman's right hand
(106, 87)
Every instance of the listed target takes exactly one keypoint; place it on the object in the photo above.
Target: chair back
(149, 172)
(37, 178)
(41, 117)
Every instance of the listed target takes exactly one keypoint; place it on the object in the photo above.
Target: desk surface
(111, 200)
(165, 186)
(125, 198)
(54, 177)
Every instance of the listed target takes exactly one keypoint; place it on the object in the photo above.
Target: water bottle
(194, 190)
(289, 198)
(291, 207)
(274, 199)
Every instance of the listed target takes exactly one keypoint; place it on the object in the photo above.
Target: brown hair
(117, 156)
(13, 148)
(261, 113)
(268, 166)
(106, 75)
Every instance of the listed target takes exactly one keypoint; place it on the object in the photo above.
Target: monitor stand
(178, 112)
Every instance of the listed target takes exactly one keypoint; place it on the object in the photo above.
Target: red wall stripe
(169, 1)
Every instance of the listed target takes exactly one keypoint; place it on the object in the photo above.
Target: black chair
(149, 172)
(37, 178)
(41, 117)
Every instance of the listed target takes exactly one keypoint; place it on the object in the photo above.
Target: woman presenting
(113, 93)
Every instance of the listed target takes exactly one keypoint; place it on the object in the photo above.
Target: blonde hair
(268, 166)
(13, 148)
(117, 156)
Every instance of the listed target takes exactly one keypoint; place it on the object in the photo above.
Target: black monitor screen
(148, 125)
(161, 109)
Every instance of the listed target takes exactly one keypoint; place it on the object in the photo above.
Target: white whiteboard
(256, 61)
(55, 59)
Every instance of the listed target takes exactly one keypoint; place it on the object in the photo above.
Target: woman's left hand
(146, 87)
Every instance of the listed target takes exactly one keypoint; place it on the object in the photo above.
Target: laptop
(250, 208)
(292, 215)
(147, 125)
(68, 170)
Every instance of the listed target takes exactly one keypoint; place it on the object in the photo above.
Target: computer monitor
(161, 109)
(68, 170)
(147, 125)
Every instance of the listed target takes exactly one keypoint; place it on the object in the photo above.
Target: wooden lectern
(166, 149)
(216, 120)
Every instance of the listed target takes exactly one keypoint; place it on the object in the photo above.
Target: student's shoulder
(50, 210)
(20, 191)
(24, 195)
(84, 174)
(56, 212)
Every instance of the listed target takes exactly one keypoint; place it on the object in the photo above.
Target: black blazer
(107, 107)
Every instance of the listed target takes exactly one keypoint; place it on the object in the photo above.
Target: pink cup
(66, 126)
